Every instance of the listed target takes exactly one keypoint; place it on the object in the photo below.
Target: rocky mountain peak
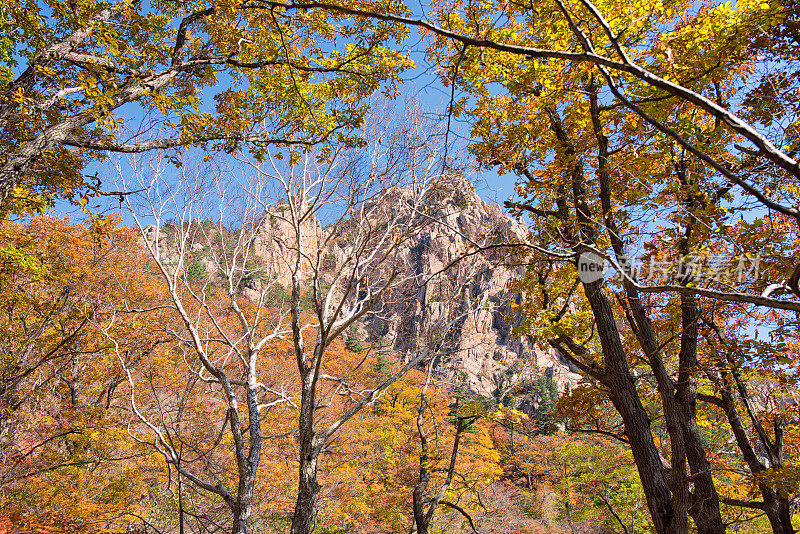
(468, 298)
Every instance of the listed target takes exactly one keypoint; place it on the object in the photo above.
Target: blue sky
(420, 84)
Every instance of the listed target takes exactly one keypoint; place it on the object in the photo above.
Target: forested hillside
(251, 281)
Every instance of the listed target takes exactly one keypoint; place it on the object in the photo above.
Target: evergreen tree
(546, 396)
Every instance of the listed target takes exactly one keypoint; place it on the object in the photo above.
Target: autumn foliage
(160, 375)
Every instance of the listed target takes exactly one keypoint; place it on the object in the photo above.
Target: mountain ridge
(467, 294)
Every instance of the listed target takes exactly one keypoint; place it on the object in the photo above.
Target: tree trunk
(648, 461)
(678, 480)
(705, 499)
(616, 376)
(623, 394)
(308, 487)
(778, 512)
(418, 504)
(777, 509)
(240, 522)
(247, 476)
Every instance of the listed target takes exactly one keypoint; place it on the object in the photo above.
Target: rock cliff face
(463, 305)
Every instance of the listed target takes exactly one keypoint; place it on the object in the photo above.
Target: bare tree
(203, 263)
(248, 264)
(374, 198)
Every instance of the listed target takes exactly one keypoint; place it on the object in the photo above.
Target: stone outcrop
(276, 239)
(462, 306)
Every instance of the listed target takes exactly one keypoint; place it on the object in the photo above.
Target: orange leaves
(67, 454)
(374, 465)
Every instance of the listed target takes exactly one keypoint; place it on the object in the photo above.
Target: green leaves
(276, 78)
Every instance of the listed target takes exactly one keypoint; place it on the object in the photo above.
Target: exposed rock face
(462, 305)
(275, 239)
(470, 299)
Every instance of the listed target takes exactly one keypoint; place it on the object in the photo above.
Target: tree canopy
(83, 78)
(653, 146)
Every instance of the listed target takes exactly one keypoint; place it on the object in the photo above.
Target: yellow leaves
(785, 481)
(13, 260)
(704, 421)
(45, 421)
(383, 454)
(26, 202)
(472, 409)
(72, 482)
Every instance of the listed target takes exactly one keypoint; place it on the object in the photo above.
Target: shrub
(353, 345)
(195, 271)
